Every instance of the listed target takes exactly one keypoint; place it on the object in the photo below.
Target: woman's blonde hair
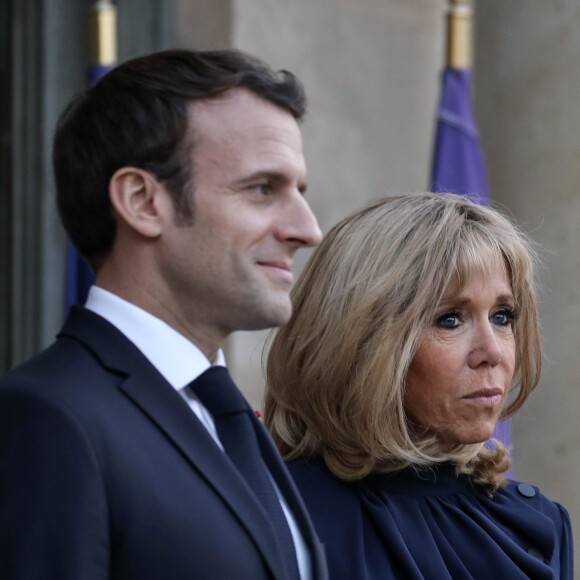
(336, 372)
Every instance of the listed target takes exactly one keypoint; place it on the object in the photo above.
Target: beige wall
(371, 70)
(371, 74)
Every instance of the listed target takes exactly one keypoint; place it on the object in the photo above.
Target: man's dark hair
(137, 115)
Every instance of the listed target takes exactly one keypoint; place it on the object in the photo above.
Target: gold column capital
(103, 33)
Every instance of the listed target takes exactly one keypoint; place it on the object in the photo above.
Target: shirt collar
(178, 359)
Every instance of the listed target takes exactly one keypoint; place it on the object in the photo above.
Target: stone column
(527, 95)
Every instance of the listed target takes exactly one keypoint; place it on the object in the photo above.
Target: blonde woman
(415, 329)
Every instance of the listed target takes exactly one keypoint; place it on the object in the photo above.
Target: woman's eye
(448, 320)
(503, 317)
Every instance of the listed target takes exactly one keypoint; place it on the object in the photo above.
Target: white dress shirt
(179, 361)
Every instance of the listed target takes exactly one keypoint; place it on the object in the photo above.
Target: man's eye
(261, 188)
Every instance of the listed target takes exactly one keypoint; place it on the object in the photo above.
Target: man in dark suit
(180, 178)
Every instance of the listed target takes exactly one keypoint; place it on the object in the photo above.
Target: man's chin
(270, 316)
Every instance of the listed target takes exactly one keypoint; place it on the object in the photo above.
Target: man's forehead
(238, 104)
(241, 119)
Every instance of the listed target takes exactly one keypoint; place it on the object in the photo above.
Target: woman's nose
(486, 348)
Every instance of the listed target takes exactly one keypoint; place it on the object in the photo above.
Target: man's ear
(139, 200)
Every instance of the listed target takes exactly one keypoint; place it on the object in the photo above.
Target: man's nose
(299, 224)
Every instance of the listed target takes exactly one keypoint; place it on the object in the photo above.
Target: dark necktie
(218, 393)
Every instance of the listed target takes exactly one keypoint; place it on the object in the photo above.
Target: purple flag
(79, 276)
(458, 163)
(95, 73)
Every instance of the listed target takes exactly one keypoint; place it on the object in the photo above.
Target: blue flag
(458, 162)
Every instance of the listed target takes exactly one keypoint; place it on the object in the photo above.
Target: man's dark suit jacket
(105, 473)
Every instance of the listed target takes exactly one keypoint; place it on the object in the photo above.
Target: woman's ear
(137, 198)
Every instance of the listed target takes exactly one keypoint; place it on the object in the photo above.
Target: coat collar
(169, 413)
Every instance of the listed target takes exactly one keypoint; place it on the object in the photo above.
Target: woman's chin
(470, 436)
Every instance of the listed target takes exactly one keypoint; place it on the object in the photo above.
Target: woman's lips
(485, 397)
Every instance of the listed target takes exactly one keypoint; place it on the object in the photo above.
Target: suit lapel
(159, 401)
(292, 496)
